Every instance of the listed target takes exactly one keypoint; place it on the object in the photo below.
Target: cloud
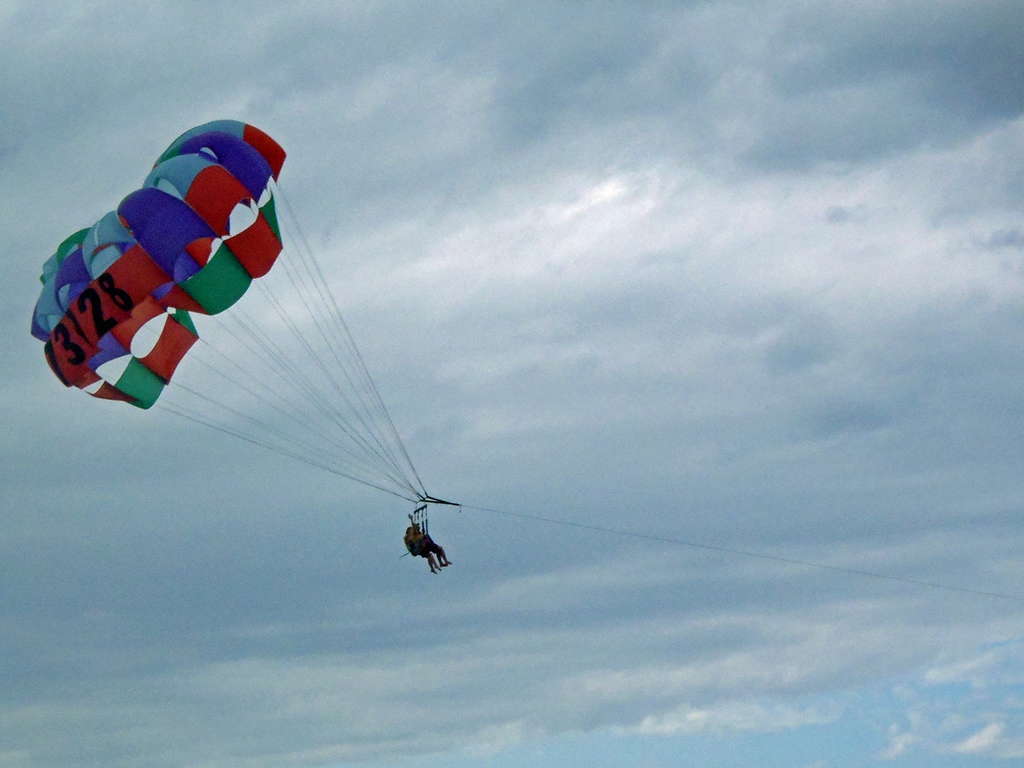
(903, 76)
(899, 743)
(968, 706)
(739, 716)
(734, 275)
(977, 671)
(570, 655)
(981, 742)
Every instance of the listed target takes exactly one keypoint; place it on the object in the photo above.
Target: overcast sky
(741, 274)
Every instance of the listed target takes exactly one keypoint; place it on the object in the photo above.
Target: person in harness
(419, 544)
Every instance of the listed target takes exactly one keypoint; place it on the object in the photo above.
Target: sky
(741, 275)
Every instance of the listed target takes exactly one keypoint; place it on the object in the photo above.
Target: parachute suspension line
(313, 379)
(346, 458)
(356, 362)
(365, 437)
(277, 362)
(288, 411)
(298, 443)
(329, 306)
(329, 311)
(309, 392)
(337, 351)
(293, 377)
(193, 416)
(360, 383)
(356, 462)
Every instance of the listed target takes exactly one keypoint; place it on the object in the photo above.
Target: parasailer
(419, 543)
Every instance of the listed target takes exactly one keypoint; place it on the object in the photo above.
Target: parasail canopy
(120, 299)
(191, 239)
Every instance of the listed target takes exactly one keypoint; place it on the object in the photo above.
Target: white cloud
(899, 743)
(967, 705)
(737, 716)
(978, 671)
(492, 739)
(981, 742)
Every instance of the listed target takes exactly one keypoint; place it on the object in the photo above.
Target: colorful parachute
(114, 314)
(192, 239)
